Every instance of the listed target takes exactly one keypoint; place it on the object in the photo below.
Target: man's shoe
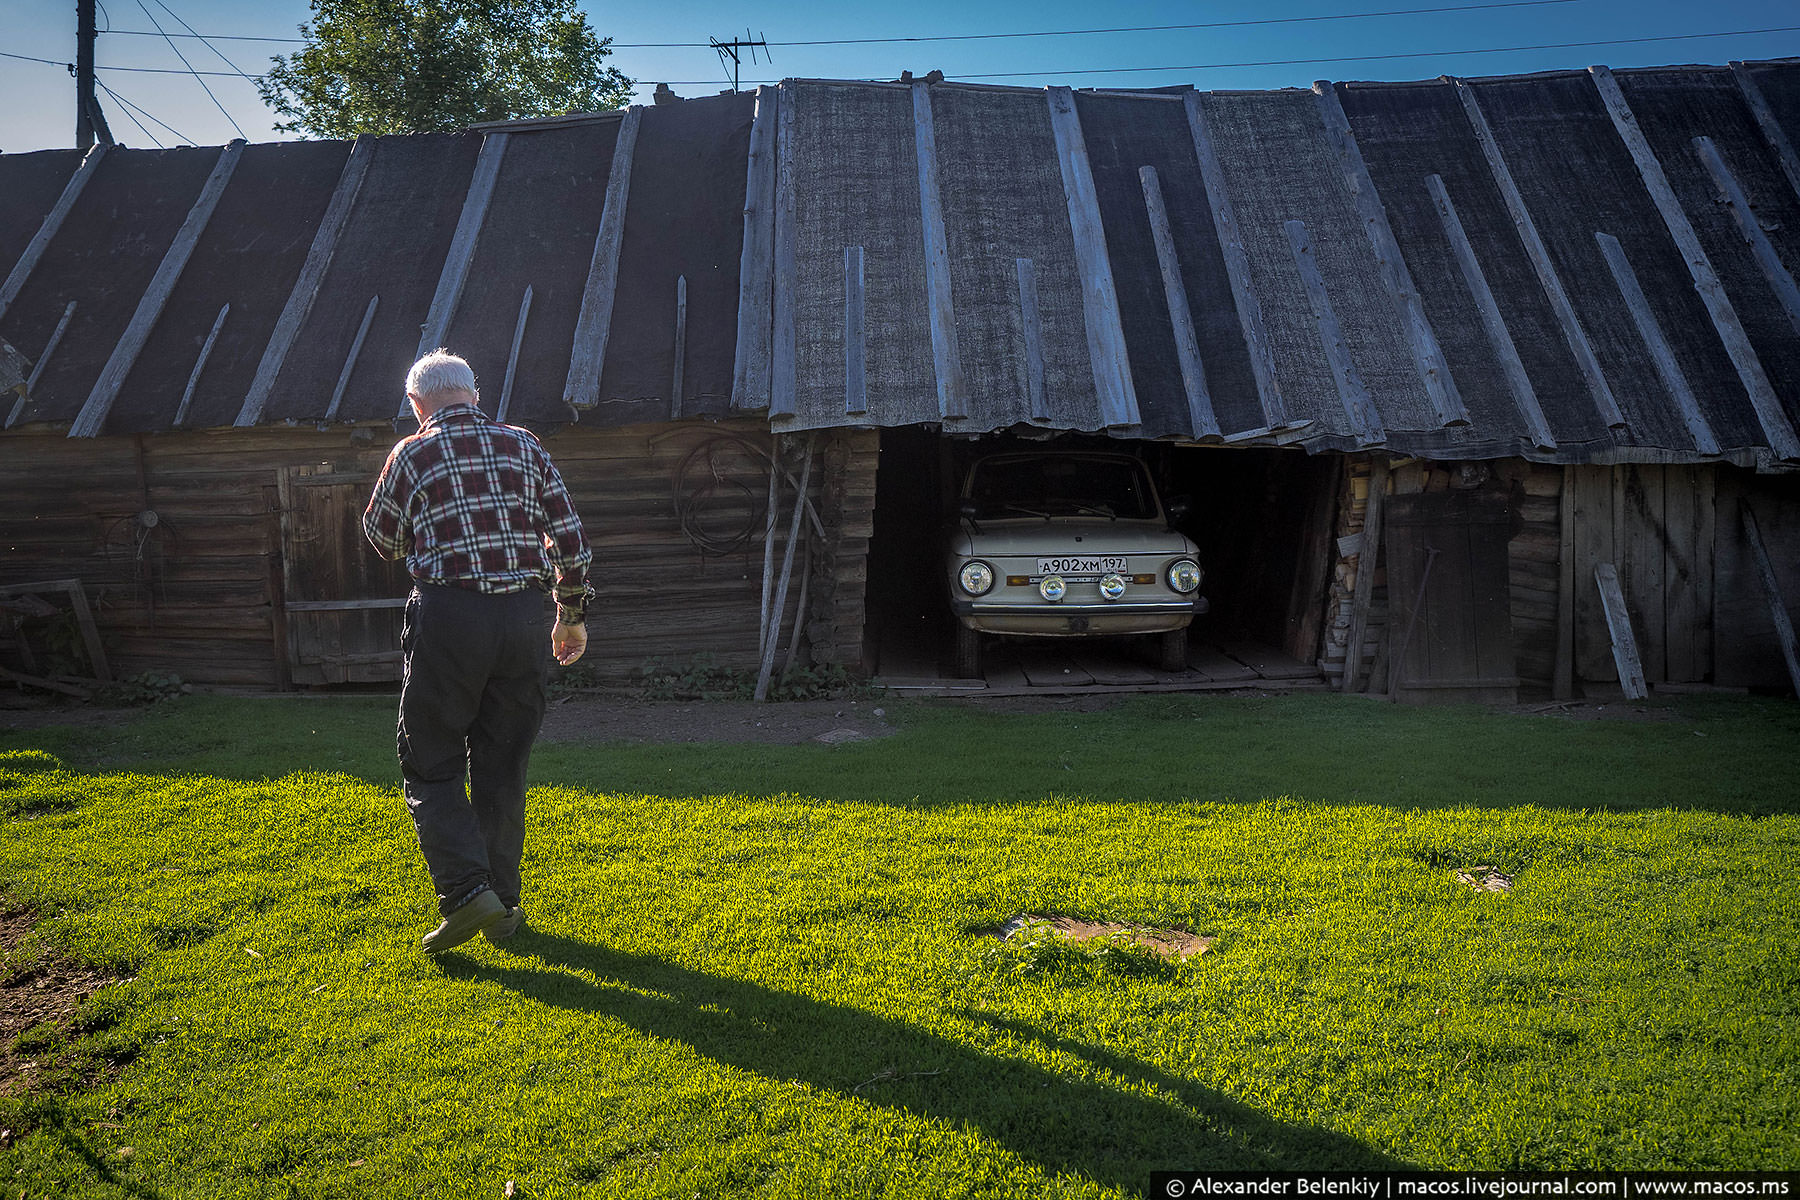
(465, 922)
(506, 926)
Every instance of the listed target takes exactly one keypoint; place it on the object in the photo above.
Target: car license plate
(1080, 566)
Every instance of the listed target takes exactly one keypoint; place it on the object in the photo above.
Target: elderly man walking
(480, 515)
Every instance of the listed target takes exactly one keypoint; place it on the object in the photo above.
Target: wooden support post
(92, 418)
(678, 382)
(1237, 265)
(594, 325)
(1562, 685)
(1359, 406)
(312, 276)
(1787, 292)
(1618, 625)
(1099, 299)
(773, 638)
(783, 380)
(856, 373)
(37, 368)
(187, 393)
(504, 410)
(1539, 255)
(756, 265)
(1778, 613)
(1779, 431)
(1766, 121)
(1032, 323)
(1366, 560)
(1492, 322)
(952, 387)
(772, 516)
(1662, 355)
(1201, 418)
(462, 248)
(40, 241)
(356, 345)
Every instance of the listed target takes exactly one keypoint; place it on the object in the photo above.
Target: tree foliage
(422, 66)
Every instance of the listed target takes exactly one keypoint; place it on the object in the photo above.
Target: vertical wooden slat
(306, 287)
(594, 325)
(1641, 564)
(1662, 355)
(1562, 685)
(1366, 560)
(1518, 382)
(193, 380)
(1031, 322)
(1779, 431)
(1201, 417)
(92, 418)
(1428, 356)
(678, 384)
(1593, 543)
(1618, 625)
(43, 360)
(1099, 299)
(1771, 128)
(756, 266)
(504, 410)
(1237, 266)
(462, 246)
(952, 387)
(782, 372)
(1539, 256)
(40, 241)
(1787, 292)
(1687, 572)
(356, 344)
(856, 375)
(1359, 406)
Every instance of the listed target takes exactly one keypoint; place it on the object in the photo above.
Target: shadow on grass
(1114, 1135)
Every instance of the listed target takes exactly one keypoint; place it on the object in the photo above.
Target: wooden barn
(1476, 385)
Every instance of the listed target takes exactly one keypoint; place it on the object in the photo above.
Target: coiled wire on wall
(704, 482)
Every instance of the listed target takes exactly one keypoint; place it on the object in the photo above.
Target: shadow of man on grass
(1112, 1133)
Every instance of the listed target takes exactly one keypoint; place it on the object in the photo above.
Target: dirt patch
(1170, 943)
(37, 989)
(622, 717)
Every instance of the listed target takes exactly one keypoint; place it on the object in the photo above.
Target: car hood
(1057, 538)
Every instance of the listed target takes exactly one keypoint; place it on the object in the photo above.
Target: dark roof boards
(1578, 266)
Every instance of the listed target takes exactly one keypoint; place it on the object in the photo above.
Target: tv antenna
(734, 50)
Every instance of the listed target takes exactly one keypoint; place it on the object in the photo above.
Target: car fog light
(1184, 575)
(1112, 586)
(976, 577)
(1053, 588)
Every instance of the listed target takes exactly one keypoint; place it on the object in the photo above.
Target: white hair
(440, 372)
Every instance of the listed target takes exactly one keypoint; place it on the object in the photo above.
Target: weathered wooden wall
(199, 593)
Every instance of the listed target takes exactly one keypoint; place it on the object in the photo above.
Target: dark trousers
(471, 702)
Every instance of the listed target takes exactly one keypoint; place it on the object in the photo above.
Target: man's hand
(568, 642)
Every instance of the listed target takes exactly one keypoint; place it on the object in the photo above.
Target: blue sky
(37, 99)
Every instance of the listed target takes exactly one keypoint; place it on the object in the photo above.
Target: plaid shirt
(472, 503)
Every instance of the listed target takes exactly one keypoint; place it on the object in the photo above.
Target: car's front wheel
(968, 652)
(1172, 650)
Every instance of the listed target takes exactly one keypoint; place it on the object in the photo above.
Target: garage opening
(1262, 519)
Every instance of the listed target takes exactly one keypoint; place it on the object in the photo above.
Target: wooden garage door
(343, 601)
(1447, 581)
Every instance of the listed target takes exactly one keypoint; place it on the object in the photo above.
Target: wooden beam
(1359, 406)
(345, 605)
(461, 254)
(40, 241)
(678, 380)
(1107, 353)
(1787, 292)
(312, 275)
(1562, 685)
(1778, 613)
(193, 381)
(356, 345)
(504, 410)
(856, 371)
(1779, 431)
(1031, 322)
(1618, 626)
(1201, 417)
(1771, 128)
(1428, 356)
(37, 368)
(1237, 265)
(1539, 256)
(1366, 560)
(1518, 382)
(92, 418)
(1662, 355)
(952, 387)
(756, 263)
(47, 685)
(594, 325)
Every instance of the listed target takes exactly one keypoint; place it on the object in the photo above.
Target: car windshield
(1051, 485)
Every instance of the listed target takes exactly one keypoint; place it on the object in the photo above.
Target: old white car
(1070, 544)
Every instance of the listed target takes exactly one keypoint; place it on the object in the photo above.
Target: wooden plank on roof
(1618, 625)
(43, 359)
(1359, 406)
(306, 287)
(40, 241)
(504, 409)
(1428, 356)
(356, 344)
(462, 248)
(1787, 293)
(952, 387)
(1031, 322)
(678, 381)
(92, 418)
(1518, 382)
(187, 393)
(1107, 354)
(1539, 255)
(1771, 128)
(1201, 417)
(1662, 355)
(782, 398)
(856, 368)
(756, 266)
(594, 325)
(1776, 427)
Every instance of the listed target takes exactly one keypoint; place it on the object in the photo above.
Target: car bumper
(1077, 620)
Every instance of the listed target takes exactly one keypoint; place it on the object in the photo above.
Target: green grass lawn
(759, 971)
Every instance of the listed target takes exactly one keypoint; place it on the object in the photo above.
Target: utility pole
(732, 50)
(90, 122)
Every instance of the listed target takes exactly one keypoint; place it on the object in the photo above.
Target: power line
(194, 73)
(128, 105)
(203, 40)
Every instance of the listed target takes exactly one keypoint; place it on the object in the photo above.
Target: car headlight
(1184, 575)
(976, 577)
(1053, 588)
(1112, 586)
